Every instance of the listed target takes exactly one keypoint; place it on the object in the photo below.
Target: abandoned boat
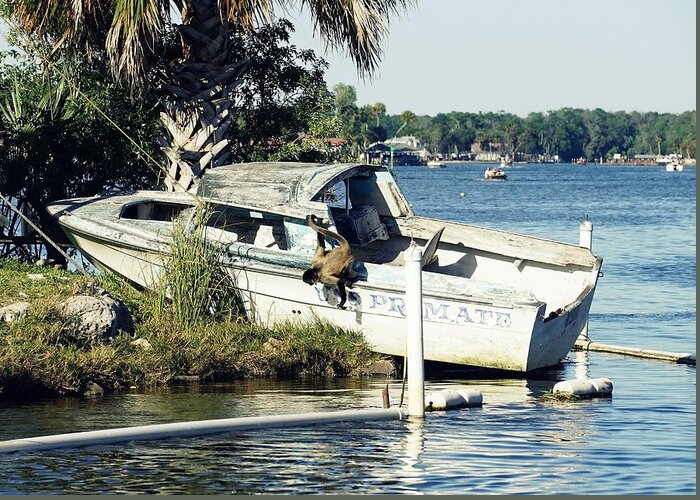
(491, 298)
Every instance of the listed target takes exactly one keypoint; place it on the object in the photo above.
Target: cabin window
(153, 211)
(250, 227)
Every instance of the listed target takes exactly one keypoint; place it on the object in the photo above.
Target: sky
(521, 56)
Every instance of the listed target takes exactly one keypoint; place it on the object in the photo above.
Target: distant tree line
(569, 133)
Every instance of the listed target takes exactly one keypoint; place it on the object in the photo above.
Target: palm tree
(198, 87)
(406, 117)
(379, 110)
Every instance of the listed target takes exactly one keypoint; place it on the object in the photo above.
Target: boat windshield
(375, 188)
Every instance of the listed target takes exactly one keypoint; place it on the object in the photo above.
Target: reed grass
(195, 285)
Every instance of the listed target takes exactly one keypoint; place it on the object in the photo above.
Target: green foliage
(195, 284)
(567, 132)
(282, 99)
(54, 144)
(554, 397)
(358, 126)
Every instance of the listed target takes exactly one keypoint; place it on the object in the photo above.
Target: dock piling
(414, 331)
(585, 234)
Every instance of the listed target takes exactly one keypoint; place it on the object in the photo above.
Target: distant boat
(666, 160)
(491, 298)
(675, 165)
(506, 162)
(436, 163)
(495, 174)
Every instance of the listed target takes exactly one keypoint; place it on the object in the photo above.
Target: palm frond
(359, 26)
(132, 28)
(136, 27)
(247, 13)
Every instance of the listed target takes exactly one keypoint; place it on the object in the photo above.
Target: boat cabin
(265, 204)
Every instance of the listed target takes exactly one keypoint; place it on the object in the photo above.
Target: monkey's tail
(329, 233)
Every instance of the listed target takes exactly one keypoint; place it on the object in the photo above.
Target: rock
(142, 343)
(93, 389)
(273, 345)
(92, 319)
(381, 367)
(13, 312)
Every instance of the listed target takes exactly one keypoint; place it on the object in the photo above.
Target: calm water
(641, 441)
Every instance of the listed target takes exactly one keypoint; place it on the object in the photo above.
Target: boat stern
(555, 335)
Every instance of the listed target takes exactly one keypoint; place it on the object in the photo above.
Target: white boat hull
(491, 298)
(436, 164)
(454, 332)
(468, 333)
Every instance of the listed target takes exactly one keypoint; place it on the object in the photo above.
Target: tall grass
(195, 284)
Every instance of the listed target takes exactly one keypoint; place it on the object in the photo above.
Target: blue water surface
(640, 441)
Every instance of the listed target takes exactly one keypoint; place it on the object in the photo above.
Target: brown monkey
(332, 267)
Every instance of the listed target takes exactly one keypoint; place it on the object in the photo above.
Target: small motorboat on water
(495, 173)
(436, 163)
(675, 165)
(491, 298)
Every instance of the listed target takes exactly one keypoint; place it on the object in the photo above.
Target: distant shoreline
(691, 162)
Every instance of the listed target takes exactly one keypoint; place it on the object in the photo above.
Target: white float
(450, 399)
(592, 387)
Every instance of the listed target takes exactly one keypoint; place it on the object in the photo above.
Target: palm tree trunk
(198, 98)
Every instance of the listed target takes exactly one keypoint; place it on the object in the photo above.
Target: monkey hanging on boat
(331, 267)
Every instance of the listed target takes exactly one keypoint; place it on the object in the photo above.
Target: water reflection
(516, 443)
(413, 444)
(582, 366)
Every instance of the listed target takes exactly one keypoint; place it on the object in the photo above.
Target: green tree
(406, 118)
(198, 76)
(345, 100)
(283, 94)
(379, 111)
(56, 147)
(569, 133)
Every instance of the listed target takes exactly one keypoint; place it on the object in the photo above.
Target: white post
(414, 330)
(585, 231)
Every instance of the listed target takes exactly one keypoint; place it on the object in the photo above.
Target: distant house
(494, 152)
(406, 150)
(619, 158)
(405, 140)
